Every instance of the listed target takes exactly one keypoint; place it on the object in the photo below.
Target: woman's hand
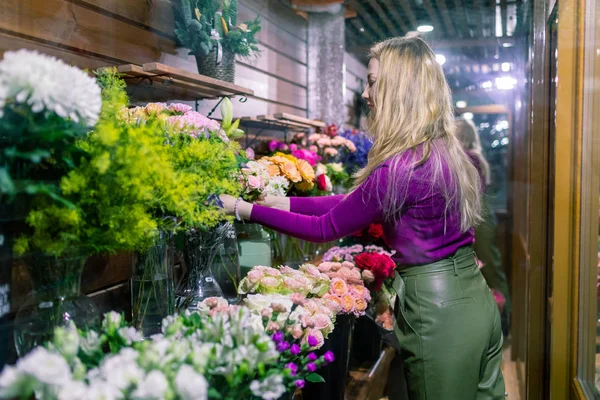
(244, 209)
(280, 203)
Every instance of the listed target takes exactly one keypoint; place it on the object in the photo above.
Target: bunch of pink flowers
(307, 281)
(257, 183)
(347, 289)
(347, 253)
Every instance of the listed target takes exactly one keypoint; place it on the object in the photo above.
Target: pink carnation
(297, 331)
(179, 107)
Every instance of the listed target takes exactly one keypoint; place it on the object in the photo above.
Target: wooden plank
(280, 14)
(301, 120)
(197, 79)
(277, 65)
(271, 118)
(432, 14)
(384, 17)
(9, 42)
(446, 17)
(154, 14)
(254, 106)
(365, 16)
(269, 87)
(275, 37)
(80, 29)
(407, 11)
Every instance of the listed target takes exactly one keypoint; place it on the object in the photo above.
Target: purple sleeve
(353, 213)
(315, 206)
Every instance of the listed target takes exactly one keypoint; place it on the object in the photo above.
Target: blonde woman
(422, 187)
(485, 233)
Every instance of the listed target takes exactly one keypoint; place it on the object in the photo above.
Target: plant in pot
(209, 29)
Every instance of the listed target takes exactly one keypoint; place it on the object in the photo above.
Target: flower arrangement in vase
(209, 29)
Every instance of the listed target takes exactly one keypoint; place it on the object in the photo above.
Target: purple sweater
(421, 234)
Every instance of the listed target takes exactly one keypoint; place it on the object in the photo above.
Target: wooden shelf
(287, 122)
(160, 82)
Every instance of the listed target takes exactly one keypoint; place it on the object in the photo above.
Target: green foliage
(196, 20)
(128, 179)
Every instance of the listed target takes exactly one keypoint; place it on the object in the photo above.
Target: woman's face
(372, 74)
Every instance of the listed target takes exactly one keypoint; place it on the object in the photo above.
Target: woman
(421, 186)
(485, 233)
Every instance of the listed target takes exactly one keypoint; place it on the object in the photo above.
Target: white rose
(191, 385)
(74, 391)
(102, 391)
(152, 387)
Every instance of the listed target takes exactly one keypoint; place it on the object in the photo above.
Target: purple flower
(311, 367)
(300, 383)
(282, 346)
(295, 350)
(312, 341)
(273, 145)
(292, 366)
(329, 357)
(312, 357)
(278, 336)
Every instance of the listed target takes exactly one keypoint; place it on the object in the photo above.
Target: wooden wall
(94, 33)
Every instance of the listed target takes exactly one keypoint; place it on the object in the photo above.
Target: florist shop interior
(135, 136)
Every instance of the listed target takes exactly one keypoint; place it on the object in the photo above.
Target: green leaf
(214, 394)
(238, 133)
(314, 378)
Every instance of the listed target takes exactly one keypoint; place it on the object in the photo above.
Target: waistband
(463, 258)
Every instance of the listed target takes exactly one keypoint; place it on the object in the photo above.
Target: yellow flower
(305, 186)
(307, 172)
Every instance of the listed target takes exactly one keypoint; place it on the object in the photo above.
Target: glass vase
(56, 300)
(291, 251)
(227, 269)
(254, 244)
(152, 291)
(199, 251)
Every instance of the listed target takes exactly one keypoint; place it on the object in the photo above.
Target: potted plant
(209, 29)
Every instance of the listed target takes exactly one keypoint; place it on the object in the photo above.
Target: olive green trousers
(448, 328)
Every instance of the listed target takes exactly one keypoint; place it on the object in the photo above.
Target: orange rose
(348, 303)
(360, 305)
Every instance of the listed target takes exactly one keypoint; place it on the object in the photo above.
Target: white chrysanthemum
(277, 186)
(130, 335)
(191, 385)
(49, 85)
(270, 388)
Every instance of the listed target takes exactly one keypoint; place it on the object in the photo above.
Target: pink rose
(330, 151)
(272, 271)
(298, 298)
(292, 284)
(312, 271)
(311, 306)
(348, 265)
(269, 281)
(313, 148)
(307, 321)
(335, 266)
(254, 276)
(321, 321)
(316, 334)
(254, 182)
(368, 276)
(278, 307)
(297, 331)
(338, 287)
(250, 153)
(332, 302)
(324, 267)
(211, 302)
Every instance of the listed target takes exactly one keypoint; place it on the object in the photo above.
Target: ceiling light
(506, 67)
(440, 58)
(425, 28)
(506, 83)
(468, 115)
(461, 104)
(507, 44)
(362, 29)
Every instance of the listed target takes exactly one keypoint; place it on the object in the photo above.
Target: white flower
(121, 370)
(74, 391)
(191, 385)
(320, 170)
(90, 343)
(270, 388)
(112, 320)
(102, 391)
(49, 85)
(48, 368)
(336, 167)
(152, 387)
(277, 186)
(66, 340)
(130, 335)
(13, 383)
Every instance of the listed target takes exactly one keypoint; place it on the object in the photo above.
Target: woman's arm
(302, 205)
(352, 213)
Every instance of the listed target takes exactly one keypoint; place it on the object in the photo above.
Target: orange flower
(307, 172)
(288, 168)
(272, 169)
(358, 290)
(338, 287)
(361, 305)
(348, 303)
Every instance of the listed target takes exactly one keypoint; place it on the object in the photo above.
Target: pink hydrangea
(179, 107)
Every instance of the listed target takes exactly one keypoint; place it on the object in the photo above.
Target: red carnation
(321, 182)
(376, 231)
(381, 265)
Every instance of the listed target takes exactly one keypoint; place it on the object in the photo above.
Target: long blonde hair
(412, 108)
(466, 132)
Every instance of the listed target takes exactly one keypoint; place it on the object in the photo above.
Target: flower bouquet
(222, 354)
(347, 253)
